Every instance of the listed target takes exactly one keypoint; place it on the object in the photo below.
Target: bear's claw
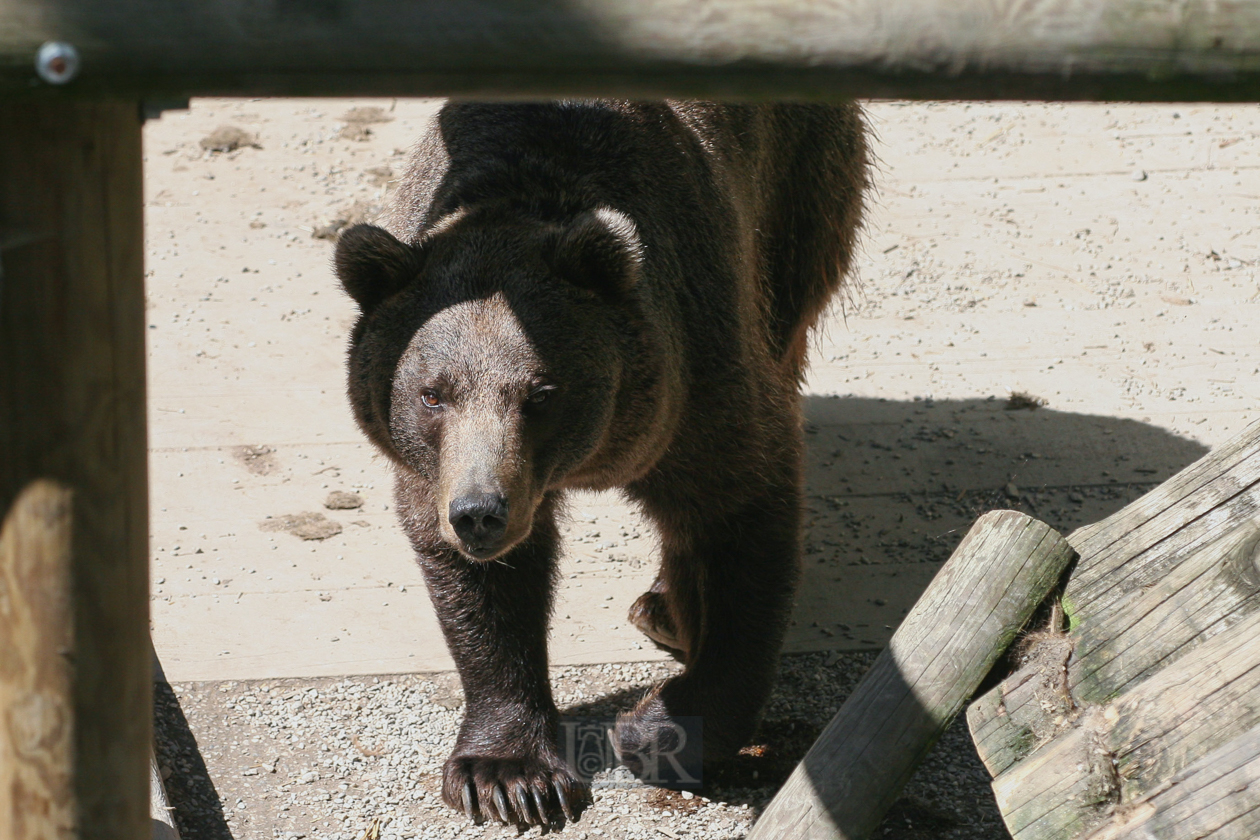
(521, 792)
(470, 810)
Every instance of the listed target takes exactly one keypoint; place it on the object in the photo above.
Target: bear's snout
(480, 521)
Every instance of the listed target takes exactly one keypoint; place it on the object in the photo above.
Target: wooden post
(75, 673)
(1004, 568)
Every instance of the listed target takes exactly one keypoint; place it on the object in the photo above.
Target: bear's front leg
(507, 764)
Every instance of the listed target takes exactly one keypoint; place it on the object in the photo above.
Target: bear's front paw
(514, 791)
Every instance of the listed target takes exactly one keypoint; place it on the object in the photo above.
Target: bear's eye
(540, 395)
(430, 398)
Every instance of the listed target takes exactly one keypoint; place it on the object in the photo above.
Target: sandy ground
(1100, 258)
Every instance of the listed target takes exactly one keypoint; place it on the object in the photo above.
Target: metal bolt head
(57, 62)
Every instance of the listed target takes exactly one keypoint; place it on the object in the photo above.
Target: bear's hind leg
(731, 583)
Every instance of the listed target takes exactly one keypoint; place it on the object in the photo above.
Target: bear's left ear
(372, 265)
(599, 250)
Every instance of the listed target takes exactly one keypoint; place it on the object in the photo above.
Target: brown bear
(601, 295)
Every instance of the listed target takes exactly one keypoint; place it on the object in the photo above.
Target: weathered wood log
(160, 806)
(1120, 753)
(987, 49)
(1201, 801)
(1003, 569)
(1157, 678)
(1155, 581)
(163, 815)
(75, 679)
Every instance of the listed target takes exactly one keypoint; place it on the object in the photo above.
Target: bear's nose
(480, 520)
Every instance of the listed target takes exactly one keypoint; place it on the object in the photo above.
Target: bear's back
(747, 213)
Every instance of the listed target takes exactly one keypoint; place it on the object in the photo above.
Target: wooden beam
(988, 589)
(75, 673)
(822, 49)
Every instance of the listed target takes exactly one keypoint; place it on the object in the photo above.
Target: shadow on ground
(892, 487)
(193, 797)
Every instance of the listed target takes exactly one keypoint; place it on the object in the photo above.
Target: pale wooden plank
(1163, 542)
(1126, 49)
(1169, 617)
(1097, 538)
(1162, 621)
(983, 595)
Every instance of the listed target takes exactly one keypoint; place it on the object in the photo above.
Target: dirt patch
(918, 820)
(378, 176)
(681, 802)
(366, 115)
(772, 756)
(359, 212)
(229, 138)
(357, 121)
(355, 131)
(307, 526)
(341, 500)
(1019, 400)
(258, 459)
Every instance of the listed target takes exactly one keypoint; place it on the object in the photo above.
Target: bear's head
(488, 357)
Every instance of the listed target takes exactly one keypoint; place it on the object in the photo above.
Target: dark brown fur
(597, 295)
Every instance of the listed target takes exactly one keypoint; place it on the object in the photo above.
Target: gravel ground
(339, 759)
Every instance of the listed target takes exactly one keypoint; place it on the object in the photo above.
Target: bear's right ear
(372, 265)
(599, 250)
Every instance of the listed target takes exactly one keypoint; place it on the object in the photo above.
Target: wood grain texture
(163, 815)
(36, 671)
(1154, 583)
(1101, 49)
(1113, 759)
(1003, 569)
(72, 413)
(1202, 801)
